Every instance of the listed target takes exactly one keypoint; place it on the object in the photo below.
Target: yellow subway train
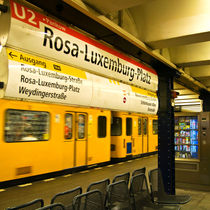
(68, 100)
(39, 138)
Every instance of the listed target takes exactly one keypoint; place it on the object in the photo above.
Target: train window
(155, 127)
(68, 126)
(145, 126)
(101, 126)
(81, 126)
(116, 127)
(24, 125)
(128, 126)
(139, 126)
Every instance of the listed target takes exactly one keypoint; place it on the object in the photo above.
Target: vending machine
(192, 147)
(186, 137)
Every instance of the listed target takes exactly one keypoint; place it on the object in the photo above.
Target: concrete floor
(46, 189)
(200, 196)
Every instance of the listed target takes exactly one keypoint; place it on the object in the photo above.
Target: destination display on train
(34, 78)
(34, 32)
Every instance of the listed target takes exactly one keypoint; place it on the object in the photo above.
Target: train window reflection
(101, 126)
(116, 127)
(139, 126)
(155, 127)
(128, 126)
(24, 125)
(81, 126)
(68, 126)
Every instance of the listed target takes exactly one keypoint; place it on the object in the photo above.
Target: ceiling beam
(199, 71)
(191, 55)
(109, 6)
(205, 81)
(185, 92)
(171, 23)
(182, 40)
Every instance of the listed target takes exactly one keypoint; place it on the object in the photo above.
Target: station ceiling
(177, 32)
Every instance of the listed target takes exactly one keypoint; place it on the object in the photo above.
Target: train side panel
(60, 138)
(153, 134)
(68, 138)
(118, 141)
(22, 158)
(137, 135)
(133, 134)
(98, 136)
(41, 138)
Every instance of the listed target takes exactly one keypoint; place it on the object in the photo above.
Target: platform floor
(46, 189)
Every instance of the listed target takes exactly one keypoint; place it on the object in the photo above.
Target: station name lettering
(75, 50)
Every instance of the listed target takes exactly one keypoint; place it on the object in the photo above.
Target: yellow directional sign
(29, 59)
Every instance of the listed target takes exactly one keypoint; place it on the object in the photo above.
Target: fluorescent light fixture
(187, 100)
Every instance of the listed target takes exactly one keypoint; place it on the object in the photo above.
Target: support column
(166, 153)
(205, 96)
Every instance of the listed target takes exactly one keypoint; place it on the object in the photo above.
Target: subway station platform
(46, 189)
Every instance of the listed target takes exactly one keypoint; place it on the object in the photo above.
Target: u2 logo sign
(24, 14)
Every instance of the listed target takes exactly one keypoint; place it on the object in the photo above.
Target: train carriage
(133, 134)
(43, 138)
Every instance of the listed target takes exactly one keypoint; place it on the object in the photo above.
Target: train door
(117, 136)
(122, 135)
(145, 134)
(128, 140)
(80, 152)
(75, 139)
(98, 148)
(153, 134)
(137, 135)
(69, 140)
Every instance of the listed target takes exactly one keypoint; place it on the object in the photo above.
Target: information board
(34, 78)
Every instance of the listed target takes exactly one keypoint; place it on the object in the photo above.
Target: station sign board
(34, 78)
(36, 33)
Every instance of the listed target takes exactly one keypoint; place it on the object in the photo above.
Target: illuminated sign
(33, 32)
(34, 78)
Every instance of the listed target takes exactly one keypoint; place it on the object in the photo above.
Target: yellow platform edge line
(25, 185)
(48, 180)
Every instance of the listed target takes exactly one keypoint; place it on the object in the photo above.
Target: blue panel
(129, 147)
(194, 151)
